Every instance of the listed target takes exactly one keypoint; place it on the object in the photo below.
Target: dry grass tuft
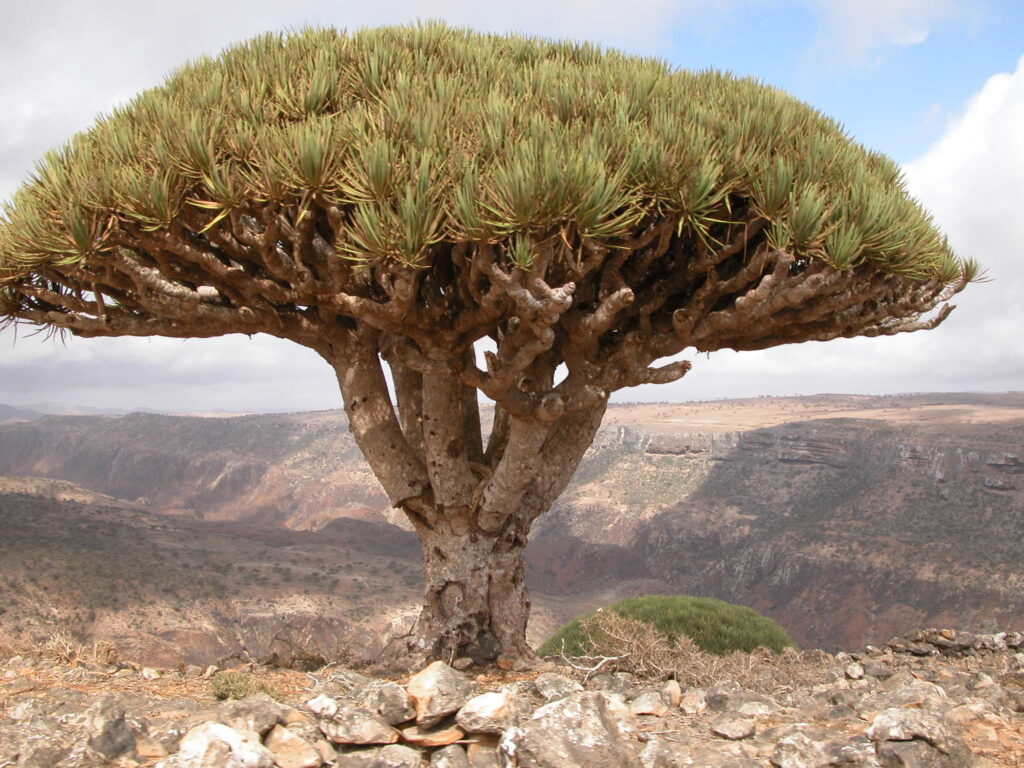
(627, 645)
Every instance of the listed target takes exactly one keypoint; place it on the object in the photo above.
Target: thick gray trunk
(476, 604)
(472, 510)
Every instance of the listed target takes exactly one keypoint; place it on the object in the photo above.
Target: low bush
(714, 626)
(623, 644)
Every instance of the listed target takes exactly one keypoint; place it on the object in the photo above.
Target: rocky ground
(932, 699)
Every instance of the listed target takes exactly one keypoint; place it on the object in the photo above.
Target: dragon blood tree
(397, 196)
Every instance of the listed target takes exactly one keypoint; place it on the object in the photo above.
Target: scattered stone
(148, 673)
(345, 723)
(431, 737)
(107, 732)
(910, 734)
(583, 729)
(462, 663)
(483, 755)
(732, 727)
(552, 686)
(648, 703)
(452, 756)
(718, 695)
(436, 692)
(488, 713)
(747, 703)
(694, 701)
(854, 671)
(391, 756)
(291, 750)
(257, 713)
(215, 745)
(671, 693)
(390, 701)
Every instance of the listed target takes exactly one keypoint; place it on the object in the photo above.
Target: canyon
(848, 519)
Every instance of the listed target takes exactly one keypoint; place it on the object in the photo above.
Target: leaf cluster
(422, 134)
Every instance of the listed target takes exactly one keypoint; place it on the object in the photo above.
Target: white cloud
(856, 32)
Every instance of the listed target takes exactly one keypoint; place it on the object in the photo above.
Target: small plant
(63, 647)
(237, 685)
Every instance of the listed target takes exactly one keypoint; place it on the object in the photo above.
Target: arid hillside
(848, 519)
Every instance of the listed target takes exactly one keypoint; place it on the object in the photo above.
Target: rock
(291, 750)
(215, 745)
(391, 756)
(671, 693)
(583, 729)
(718, 695)
(648, 703)
(905, 735)
(733, 727)
(345, 723)
(107, 732)
(323, 706)
(452, 756)
(747, 703)
(191, 670)
(462, 663)
(483, 755)
(437, 691)
(854, 671)
(694, 701)
(802, 747)
(390, 701)
(877, 669)
(488, 713)
(148, 673)
(921, 695)
(431, 737)
(257, 713)
(552, 686)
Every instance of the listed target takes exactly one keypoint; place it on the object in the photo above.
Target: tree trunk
(472, 509)
(475, 604)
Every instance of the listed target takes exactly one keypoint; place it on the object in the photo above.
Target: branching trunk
(472, 511)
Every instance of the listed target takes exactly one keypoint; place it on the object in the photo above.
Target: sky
(936, 84)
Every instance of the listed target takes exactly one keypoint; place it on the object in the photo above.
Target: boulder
(346, 723)
(391, 756)
(551, 686)
(903, 736)
(452, 756)
(257, 713)
(488, 713)
(583, 729)
(291, 750)
(436, 692)
(390, 701)
(107, 731)
(215, 745)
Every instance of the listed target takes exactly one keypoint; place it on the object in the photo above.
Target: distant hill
(16, 413)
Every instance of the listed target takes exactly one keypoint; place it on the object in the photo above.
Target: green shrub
(715, 626)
